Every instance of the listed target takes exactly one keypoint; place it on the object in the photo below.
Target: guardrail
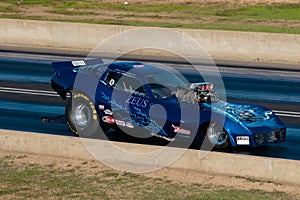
(272, 169)
(221, 45)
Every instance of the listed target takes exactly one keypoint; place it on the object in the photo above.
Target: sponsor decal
(78, 63)
(138, 65)
(177, 129)
(120, 123)
(129, 125)
(101, 107)
(108, 112)
(242, 140)
(137, 101)
(79, 95)
(108, 119)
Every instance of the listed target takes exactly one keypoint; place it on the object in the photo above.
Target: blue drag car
(142, 99)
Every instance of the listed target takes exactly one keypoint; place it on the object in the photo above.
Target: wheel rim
(217, 135)
(82, 115)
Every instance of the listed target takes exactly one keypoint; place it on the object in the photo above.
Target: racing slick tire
(82, 118)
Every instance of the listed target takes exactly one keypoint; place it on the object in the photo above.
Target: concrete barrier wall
(278, 170)
(225, 45)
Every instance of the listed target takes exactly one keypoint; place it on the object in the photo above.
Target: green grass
(9, 8)
(29, 2)
(277, 18)
(251, 26)
(23, 181)
(275, 12)
(71, 12)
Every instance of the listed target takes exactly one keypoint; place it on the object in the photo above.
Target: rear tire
(82, 117)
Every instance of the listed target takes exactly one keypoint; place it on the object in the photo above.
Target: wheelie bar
(54, 119)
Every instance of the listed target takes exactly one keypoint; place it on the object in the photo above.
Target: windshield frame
(160, 78)
(167, 80)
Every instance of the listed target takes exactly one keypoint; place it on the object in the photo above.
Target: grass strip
(27, 180)
(276, 18)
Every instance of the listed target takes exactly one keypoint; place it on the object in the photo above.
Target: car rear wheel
(82, 118)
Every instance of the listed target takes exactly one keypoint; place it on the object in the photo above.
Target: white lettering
(242, 140)
(111, 82)
(137, 101)
(78, 63)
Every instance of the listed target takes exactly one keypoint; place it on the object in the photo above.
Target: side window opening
(125, 83)
(112, 78)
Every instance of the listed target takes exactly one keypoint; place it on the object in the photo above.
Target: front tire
(218, 136)
(82, 118)
(212, 135)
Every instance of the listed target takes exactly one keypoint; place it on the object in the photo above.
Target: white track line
(27, 91)
(287, 115)
(19, 89)
(54, 94)
(286, 112)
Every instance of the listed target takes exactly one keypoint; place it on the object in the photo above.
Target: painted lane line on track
(54, 94)
(23, 92)
(287, 113)
(28, 91)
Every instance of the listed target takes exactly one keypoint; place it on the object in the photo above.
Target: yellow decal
(79, 95)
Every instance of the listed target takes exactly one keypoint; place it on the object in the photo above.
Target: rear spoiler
(65, 65)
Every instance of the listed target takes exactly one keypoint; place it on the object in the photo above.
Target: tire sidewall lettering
(85, 97)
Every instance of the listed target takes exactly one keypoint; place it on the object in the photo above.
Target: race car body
(141, 98)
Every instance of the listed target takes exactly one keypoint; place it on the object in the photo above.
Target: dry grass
(43, 177)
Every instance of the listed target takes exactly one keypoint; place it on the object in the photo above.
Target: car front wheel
(217, 136)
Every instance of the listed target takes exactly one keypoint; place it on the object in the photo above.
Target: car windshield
(168, 79)
(163, 84)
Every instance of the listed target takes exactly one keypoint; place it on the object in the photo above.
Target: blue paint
(241, 87)
(130, 91)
